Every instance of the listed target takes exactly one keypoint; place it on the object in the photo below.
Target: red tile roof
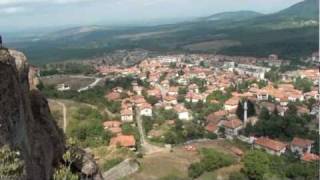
(180, 108)
(301, 142)
(310, 157)
(233, 101)
(232, 124)
(109, 124)
(270, 143)
(211, 127)
(123, 140)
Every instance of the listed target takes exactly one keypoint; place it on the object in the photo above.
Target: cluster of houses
(167, 75)
(299, 146)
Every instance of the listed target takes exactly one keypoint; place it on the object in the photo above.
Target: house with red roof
(126, 115)
(154, 92)
(145, 109)
(232, 127)
(309, 157)
(194, 97)
(173, 91)
(212, 127)
(301, 146)
(183, 113)
(232, 103)
(127, 141)
(271, 146)
(170, 100)
(113, 126)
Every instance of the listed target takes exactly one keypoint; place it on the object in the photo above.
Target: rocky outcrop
(25, 119)
(87, 166)
(125, 168)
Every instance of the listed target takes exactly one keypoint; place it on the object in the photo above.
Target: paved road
(90, 85)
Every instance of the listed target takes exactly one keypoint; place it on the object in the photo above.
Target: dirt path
(147, 148)
(64, 113)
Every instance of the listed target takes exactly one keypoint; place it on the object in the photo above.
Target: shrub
(195, 170)
(11, 165)
(210, 160)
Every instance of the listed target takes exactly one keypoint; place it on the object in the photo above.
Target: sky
(37, 14)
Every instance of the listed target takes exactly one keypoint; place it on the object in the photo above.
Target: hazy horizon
(37, 14)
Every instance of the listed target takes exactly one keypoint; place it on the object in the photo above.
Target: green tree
(256, 164)
(303, 84)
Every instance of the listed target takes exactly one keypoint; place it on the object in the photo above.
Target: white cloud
(12, 10)
(25, 2)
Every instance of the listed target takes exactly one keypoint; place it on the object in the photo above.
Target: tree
(264, 114)
(303, 171)
(256, 164)
(273, 75)
(152, 100)
(303, 84)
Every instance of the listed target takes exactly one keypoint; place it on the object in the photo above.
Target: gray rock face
(125, 168)
(25, 119)
(87, 166)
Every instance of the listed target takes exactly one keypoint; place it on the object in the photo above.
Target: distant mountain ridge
(307, 9)
(232, 15)
(290, 33)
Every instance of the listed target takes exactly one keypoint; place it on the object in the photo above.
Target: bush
(237, 176)
(86, 127)
(195, 170)
(210, 160)
(147, 123)
(11, 164)
(213, 160)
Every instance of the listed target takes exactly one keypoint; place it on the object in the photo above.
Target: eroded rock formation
(25, 119)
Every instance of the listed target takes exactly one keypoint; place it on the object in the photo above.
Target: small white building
(183, 113)
(126, 115)
(301, 146)
(146, 110)
(232, 128)
(63, 87)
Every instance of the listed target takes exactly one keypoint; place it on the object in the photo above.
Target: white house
(126, 115)
(232, 127)
(301, 146)
(63, 87)
(183, 113)
(146, 110)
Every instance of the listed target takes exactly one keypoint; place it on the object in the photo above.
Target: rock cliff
(25, 119)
